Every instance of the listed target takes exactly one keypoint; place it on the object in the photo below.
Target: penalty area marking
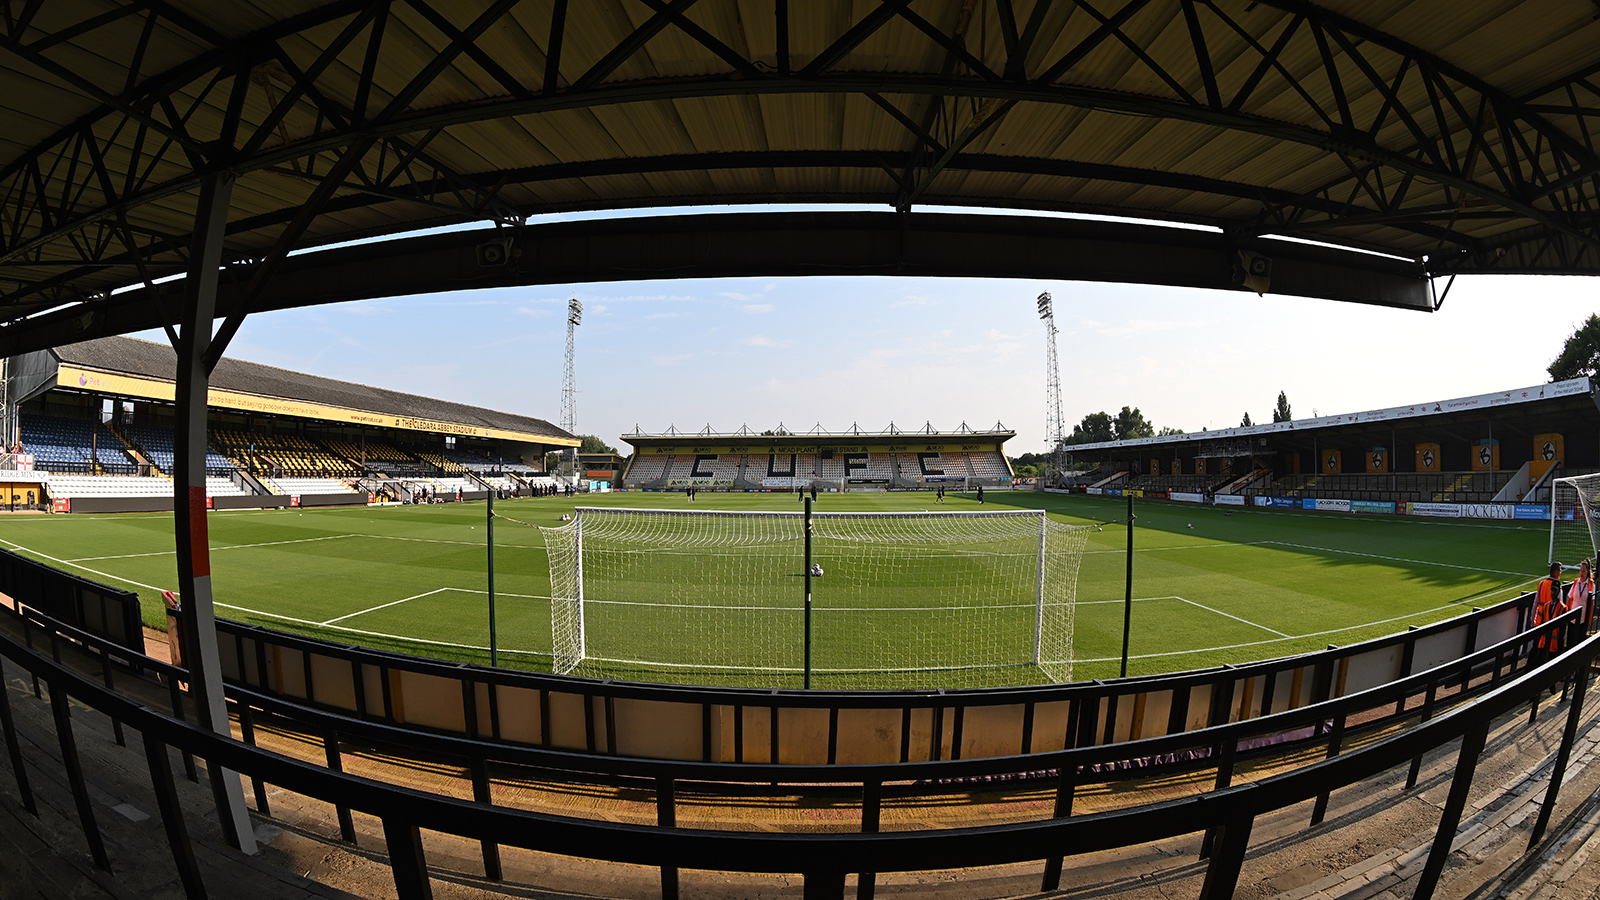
(1191, 603)
(1423, 612)
(407, 600)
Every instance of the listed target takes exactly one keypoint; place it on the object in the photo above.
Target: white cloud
(758, 307)
(537, 312)
(762, 340)
(741, 298)
(913, 300)
(1148, 326)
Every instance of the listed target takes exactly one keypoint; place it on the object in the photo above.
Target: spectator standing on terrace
(1580, 595)
(1548, 603)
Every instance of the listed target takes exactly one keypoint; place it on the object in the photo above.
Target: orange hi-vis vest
(1546, 606)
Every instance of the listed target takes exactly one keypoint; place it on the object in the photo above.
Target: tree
(1168, 429)
(1580, 356)
(1282, 413)
(593, 444)
(1095, 428)
(1245, 422)
(1131, 424)
(780, 432)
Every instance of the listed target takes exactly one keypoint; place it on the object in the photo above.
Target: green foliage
(1131, 424)
(1580, 355)
(593, 444)
(1281, 412)
(1245, 422)
(1094, 428)
(1168, 429)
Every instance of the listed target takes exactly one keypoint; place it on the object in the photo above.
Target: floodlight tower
(1054, 426)
(569, 391)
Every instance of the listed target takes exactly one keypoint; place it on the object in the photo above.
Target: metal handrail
(824, 858)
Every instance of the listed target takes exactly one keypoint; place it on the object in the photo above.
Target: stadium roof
(1518, 411)
(1446, 137)
(128, 367)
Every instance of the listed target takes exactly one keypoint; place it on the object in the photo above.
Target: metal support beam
(189, 501)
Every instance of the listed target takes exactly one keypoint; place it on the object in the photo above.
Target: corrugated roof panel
(152, 360)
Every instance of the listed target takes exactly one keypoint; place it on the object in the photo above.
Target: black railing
(1504, 675)
(931, 725)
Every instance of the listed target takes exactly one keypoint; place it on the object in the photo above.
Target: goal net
(1574, 526)
(904, 599)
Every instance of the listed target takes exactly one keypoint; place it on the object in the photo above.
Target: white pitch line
(382, 606)
(1400, 559)
(1236, 618)
(330, 537)
(1217, 545)
(66, 562)
(1136, 600)
(1422, 612)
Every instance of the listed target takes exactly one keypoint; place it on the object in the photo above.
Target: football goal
(1574, 519)
(898, 600)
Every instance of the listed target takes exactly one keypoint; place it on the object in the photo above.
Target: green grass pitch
(1240, 585)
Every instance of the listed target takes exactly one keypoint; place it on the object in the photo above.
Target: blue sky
(876, 350)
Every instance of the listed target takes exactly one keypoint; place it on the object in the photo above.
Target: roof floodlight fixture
(575, 311)
(1045, 311)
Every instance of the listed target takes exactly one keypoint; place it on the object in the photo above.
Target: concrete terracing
(1372, 844)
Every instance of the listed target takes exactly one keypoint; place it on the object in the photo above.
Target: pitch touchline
(330, 537)
(1220, 545)
(1416, 562)
(74, 565)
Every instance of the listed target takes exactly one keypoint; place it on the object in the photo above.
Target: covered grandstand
(844, 461)
(1489, 456)
(94, 431)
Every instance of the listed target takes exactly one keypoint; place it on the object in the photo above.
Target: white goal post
(1574, 526)
(916, 599)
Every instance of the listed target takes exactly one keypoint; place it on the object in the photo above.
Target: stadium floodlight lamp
(575, 311)
(1044, 305)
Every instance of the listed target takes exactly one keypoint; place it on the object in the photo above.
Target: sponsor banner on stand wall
(1278, 502)
(1328, 505)
(1095, 491)
(1372, 506)
(1183, 497)
(1538, 511)
(1441, 510)
(1228, 500)
(1112, 492)
(1486, 510)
